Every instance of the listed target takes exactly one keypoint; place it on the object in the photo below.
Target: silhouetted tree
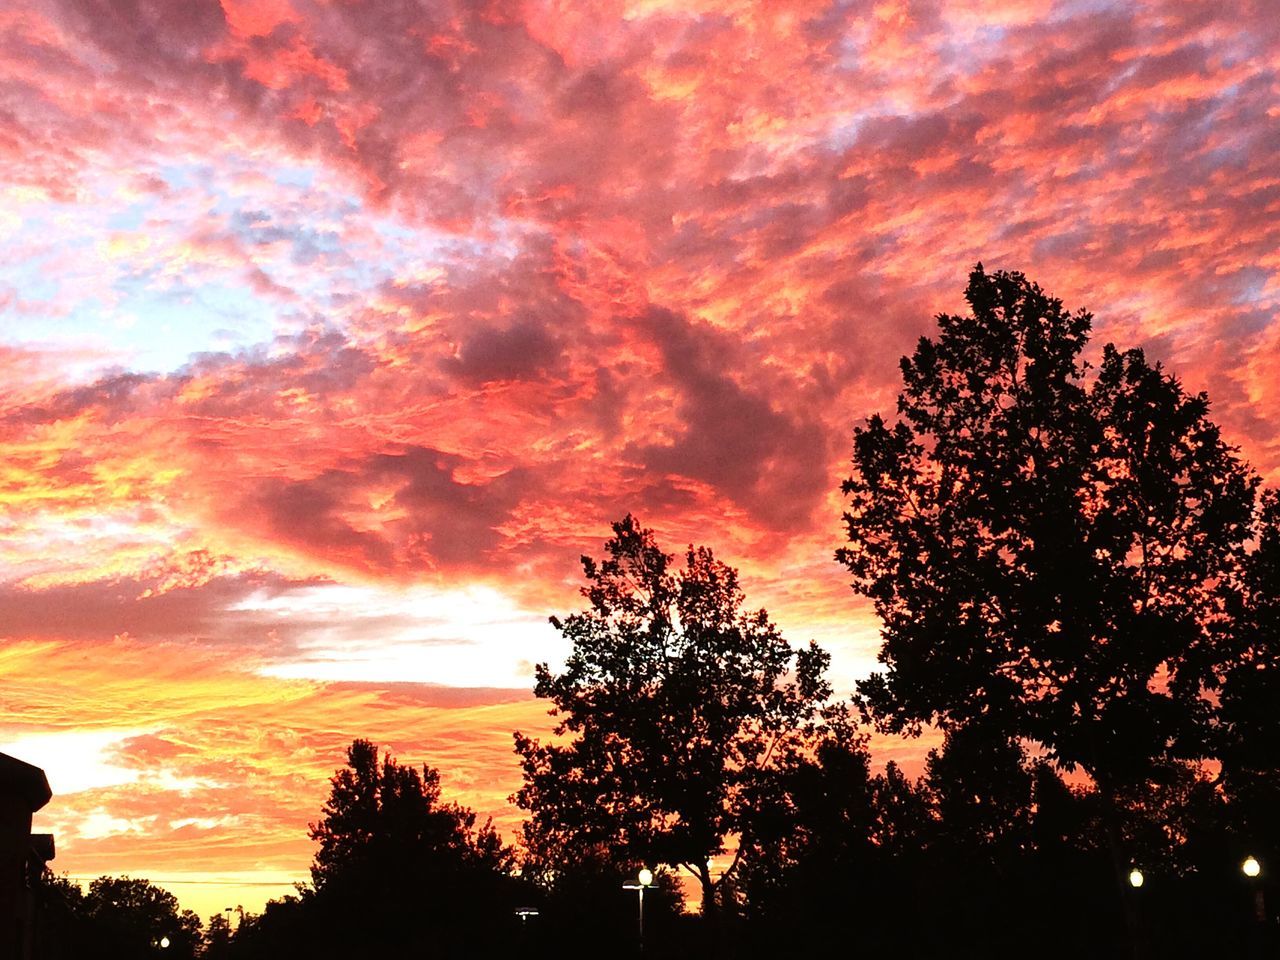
(217, 938)
(129, 917)
(584, 909)
(386, 819)
(811, 812)
(63, 929)
(981, 789)
(397, 869)
(904, 818)
(1046, 552)
(1060, 822)
(674, 701)
(287, 926)
(815, 878)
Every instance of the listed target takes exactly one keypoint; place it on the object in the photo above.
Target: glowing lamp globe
(164, 943)
(1135, 878)
(646, 877)
(1251, 867)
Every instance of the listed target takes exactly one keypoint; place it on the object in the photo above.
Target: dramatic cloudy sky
(333, 331)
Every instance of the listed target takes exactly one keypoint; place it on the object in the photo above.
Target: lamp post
(1252, 869)
(1134, 914)
(646, 879)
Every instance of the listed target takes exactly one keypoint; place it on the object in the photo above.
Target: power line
(198, 883)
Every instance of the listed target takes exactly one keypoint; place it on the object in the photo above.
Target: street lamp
(164, 943)
(1133, 913)
(646, 879)
(1253, 870)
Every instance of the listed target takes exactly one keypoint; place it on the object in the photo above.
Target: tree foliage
(117, 918)
(1052, 551)
(673, 703)
(397, 868)
(1046, 547)
(1249, 729)
(982, 790)
(217, 938)
(386, 819)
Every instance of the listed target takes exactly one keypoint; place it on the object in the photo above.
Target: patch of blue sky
(395, 249)
(310, 209)
(849, 48)
(406, 242)
(844, 133)
(1250, 285)
(306, 243)
(183, 176)
(162, 334)
(128, 219)
(307, 229)
(158, 331)
(35, 286)
(968, 50)
(33, 276)
(303, 178)
(310, 221)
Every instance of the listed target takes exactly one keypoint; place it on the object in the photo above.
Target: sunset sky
(334, 331)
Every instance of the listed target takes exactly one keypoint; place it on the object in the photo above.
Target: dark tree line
(1078, 582)
(115, 918)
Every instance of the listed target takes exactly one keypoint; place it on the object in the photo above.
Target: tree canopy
(1054, 552)
(117, 918)
(387, 819)
(1046, 544)
(674, 701)
(397, 869)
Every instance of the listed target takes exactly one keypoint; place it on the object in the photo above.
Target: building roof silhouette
(24, 780)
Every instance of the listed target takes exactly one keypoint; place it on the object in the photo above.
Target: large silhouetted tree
(384, 818)
(673, 703)
(1045, 545)
(397, 866)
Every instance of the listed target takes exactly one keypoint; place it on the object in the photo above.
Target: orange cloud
(197, 765)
